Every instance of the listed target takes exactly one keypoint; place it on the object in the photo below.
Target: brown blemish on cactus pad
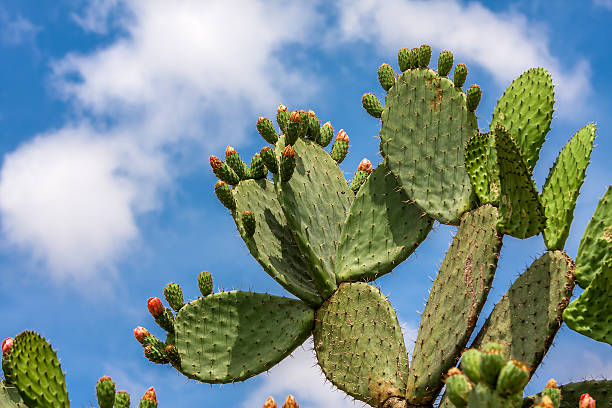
(434, 85)
(468, 279)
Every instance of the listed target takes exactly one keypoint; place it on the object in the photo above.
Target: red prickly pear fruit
(424, 55)
(266, 130)
(287, 163)
(461, 72)
(372, 105)
(174, 296)
(586, 401)
(248, 222)
(225, 195)
(270, 403)
(7, 345)
(282, 117)
(340, 147)
(269, 159)
(293, 128)
(105, 392)
(155, 306)
(150, 395)
(474, 94)
(205, 283)
(141, 333)
(290, 402)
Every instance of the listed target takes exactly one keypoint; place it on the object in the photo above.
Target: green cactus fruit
(223, 171)
(258, 169)
(482, 397)
(232, 158)
(287, 163)
(553, 392)
(491, 363)
(596, 242)
(162, 316)
(476, 162)
(460, 75)
(382, 229)
(590, 313)
(10, 397)
(424, 141)
(172, 354)
(414, 58)
(293, 128)
(155, 355)
(473, 97)
(273, 245)
(445, 63)
(174, 296)
(224, 194)
(326, 134)
(359, 344)
(248, 223)
(282, 118)
(563, 184)
(546, 286)
(314, 126)
(105, 391)
(340, 148)
(149, 399)
(512, 378)
(231, 336)
(151, 340)
(424, 55)
(304, 123)
(372, 105)
(269, 159)
(205, 283)
(386, 77)
(458, 387)
(122, 399)
(266, 130)
(361, 175)
(470, 364)
(403, 59)
(456, 298)
(525, 111)
(36, 372)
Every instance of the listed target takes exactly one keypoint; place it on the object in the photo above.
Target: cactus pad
(455, 302)
(538, 296)
(9, 397)
(563, 184)
(425, 125)
(231, 336)
(476, 163)
(359, 344)
(272, 243)
(382, 229)
(525, 111)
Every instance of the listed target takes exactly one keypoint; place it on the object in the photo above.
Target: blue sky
(109, 110)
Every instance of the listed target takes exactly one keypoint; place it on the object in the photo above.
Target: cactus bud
(266, 130)
(491, 362)
(314, 126)
(155, 355)
(403, 59)
(461, 72)
(372, 105)
(205, 283)
(282, 117)
(424, 56)
(290, 402)
(270, 403)
(361, 175)
(326, 134)
(473, 97)
(105, 391)
(304, 123)
(215, 163)
(340, 147)
(163, 317)
(172, 355)
(586, 401)
(365, 165)
(258, 169)
(174, 296)
(141, 333)
(413, 58)
(386, 76)
(293, 128)
(122, 399)
(223, 171)
(553, 392)
(545, 402)
(149, 399)
(470, 364)
(224, 194)
(457, 387)
(445, 63)
(269, 159)
(248, 223)
(7, 345)
(155, 306)
(287, 164)
(513, 377)
(232, 158)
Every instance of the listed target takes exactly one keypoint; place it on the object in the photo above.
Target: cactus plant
(324, 242)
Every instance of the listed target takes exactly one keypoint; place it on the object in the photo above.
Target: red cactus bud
(551, 384)
(155, 306)
(270, 403)
(215, 163)
(365, 165)
(342, 136)
(288, 151)
(7, 345)
(586, 401)
(105, 378)
(295, 116)
(219, 183)
(311, 114)
(328, 124)
(281, 108)
(150, 395)
(229, 150)
(140, 333)
(290, 402)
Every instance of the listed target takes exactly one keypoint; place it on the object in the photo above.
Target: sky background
(109, 110)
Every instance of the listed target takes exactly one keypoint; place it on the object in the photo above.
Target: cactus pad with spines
(382, 229)
(456, 299)
(525, 111)
(476, 163)
(539, 296)
(231, 336)
(9, 397)
(445, 63)
(359, 344)
(372, 105)
(425, 125)
(562, 186)
(386, 76)
(272, 243)
(460, 75)
(317, 188)
(600, 390)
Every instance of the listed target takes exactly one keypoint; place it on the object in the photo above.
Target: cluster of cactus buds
(289, 403)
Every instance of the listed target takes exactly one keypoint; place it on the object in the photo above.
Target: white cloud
(17, 30)
(96, 14)
(504, 44)
(604, 3)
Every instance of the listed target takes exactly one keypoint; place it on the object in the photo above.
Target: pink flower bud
(140, 333)
(365, 165)
(342, 136)
(150, 395)
(155, 306)
(7, 345)
(586, 401)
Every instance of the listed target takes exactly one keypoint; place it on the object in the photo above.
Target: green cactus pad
(36, 372)
(476, 163)
(445, 63)
(525, 111)
(382, 229)
(272, 243)
(455, 302)
(538, 296)
(316, 201)
(591, 313)
(386, 76)
(231, 336)
(563, 184)
(425, 126)
(9, 397)
(372, 105)
(359, 344)
(601, 391)
(520, 212)
(596, 241)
